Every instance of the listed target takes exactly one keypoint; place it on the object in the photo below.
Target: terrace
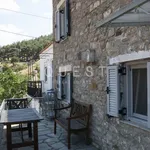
(46, 138)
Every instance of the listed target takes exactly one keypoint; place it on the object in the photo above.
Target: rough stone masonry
(107, 134)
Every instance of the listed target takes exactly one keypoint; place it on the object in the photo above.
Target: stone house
(103, 48)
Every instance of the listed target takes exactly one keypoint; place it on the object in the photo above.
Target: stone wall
(108, 42)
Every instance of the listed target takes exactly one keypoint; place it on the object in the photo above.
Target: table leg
(35, 128)
(30, 130)
(9, 137)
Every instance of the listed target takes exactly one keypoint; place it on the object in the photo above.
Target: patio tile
(51, 135)
(43, 128)
(44, 132)
(64, 148)
(42, 137)
(50, 140)
(41, 141)
(44, 146)
(58, 145)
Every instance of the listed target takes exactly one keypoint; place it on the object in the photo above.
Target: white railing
(2, 107)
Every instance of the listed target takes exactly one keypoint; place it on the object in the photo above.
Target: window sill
(65, 39)
(65, 102)
(136, 125)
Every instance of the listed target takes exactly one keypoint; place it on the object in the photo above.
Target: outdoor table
(20, 116)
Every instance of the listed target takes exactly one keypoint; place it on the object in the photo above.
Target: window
(62, 16)
(139, 92)
(134, 85)
(45, 70)
(64, 87)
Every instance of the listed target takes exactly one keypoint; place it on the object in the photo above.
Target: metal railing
(34, 88)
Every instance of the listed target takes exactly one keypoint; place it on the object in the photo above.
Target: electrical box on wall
(87, 56)
(90, 56)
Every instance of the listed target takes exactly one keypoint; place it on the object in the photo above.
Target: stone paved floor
(49, 141)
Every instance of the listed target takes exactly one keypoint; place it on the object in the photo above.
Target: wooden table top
(19, 116)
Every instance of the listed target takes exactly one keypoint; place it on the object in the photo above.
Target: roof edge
(122, 11)
(51, 44)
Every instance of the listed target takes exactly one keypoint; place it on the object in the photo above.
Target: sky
(24, 24)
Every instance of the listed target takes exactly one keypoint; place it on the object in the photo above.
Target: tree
(12, 85)
(14, 59)
(23, 50)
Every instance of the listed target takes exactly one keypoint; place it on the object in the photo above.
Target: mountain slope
(25, 50)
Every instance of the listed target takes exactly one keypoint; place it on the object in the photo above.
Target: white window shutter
(69, 87)
(148, 92)
(113, 93)
(59, 86)
(57, 26)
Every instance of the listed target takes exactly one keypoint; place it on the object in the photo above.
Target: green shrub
(12, 85)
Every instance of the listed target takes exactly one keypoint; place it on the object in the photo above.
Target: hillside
(14, 60)
(25, 50)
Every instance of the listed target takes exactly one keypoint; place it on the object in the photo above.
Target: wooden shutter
(69, 86)
(148, 92)
(57, 26)
(59, 86)
(67, 18)
(113, 93)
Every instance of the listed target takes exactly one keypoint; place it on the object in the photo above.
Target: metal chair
(48, 104)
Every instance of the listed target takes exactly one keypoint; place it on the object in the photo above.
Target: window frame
(63, 6)
(64, 87)
(129, 93)
(45, 74)
(64, 91)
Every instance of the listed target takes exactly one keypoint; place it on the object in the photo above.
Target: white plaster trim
(130, 57)
(66, 68)
(60, 4)
(45, 56)
(47, 53)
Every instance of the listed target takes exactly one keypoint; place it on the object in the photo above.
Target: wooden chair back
(18, 103)
(80, 108)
